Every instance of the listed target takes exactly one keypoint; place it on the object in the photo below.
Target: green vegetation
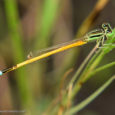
(50, 86)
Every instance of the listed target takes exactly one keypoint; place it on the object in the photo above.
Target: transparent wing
(32, 54)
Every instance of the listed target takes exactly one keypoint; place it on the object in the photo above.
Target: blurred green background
(30, 25)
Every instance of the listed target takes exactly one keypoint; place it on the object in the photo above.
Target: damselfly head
(107, 28)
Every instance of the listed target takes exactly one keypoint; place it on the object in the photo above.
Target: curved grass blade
(90, 98)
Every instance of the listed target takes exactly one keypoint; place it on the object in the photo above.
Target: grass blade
(90, 98)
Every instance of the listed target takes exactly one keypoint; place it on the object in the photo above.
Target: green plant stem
(49, 13)
(83, 77)
(101, 68)
(18, 54)
(90, 98)
(52, 8)
(83, 64)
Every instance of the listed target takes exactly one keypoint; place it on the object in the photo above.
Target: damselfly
(99, 35)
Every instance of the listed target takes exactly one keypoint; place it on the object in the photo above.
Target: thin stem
(90, 98)
(101, 68)
(83, 64)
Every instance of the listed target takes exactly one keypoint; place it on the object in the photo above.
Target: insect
(99, 35)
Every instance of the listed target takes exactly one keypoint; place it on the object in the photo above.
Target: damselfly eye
(107, 28)
(105, 25)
